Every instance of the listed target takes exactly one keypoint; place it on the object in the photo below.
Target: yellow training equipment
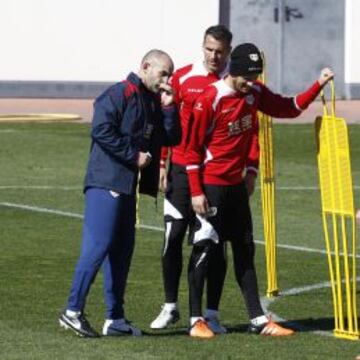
(267, 180)
(338, 214)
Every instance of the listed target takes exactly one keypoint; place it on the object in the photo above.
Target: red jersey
(223, 139)
(188, 83)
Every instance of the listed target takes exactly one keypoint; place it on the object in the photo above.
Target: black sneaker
(78, 324)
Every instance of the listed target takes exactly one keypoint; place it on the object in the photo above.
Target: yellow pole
(267, 179)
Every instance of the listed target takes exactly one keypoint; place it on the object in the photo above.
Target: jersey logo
(246, 122)
(198, 106)
(240, 125)
(190, 90)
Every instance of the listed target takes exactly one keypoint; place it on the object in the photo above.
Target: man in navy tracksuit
(132, 120)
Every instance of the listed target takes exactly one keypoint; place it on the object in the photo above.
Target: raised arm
(289, 107)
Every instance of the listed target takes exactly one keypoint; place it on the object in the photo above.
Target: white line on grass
(42, 210)
(7, 130)
(144, 226)
(38, 187)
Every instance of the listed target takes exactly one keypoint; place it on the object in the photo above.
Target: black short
(231, 219)
(177, 203)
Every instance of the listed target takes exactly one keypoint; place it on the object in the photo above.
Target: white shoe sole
(169, 323)
(65, 326)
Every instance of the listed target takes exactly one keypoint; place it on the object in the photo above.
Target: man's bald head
(156, 55)
(155, 69)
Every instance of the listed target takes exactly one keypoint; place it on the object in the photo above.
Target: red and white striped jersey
(223, 134)
(188, 83)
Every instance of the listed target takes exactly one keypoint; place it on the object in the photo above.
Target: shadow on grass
(300, 325)
(311, 324)
(168, 332)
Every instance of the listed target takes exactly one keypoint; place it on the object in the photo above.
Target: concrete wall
(352, 49)
(72, 47)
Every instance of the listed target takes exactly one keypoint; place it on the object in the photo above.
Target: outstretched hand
(326, 75)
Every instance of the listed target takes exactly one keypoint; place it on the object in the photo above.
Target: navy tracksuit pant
(108, 240)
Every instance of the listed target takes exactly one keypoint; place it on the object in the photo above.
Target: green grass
(38, 253)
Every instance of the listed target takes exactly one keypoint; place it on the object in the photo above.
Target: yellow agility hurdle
(267, 180)
(338, 213)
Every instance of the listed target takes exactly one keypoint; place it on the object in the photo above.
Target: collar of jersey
(223, 88)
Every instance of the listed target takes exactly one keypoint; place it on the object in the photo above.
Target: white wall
(352, 41)
(97, 40)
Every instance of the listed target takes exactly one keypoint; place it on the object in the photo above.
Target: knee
(217, 254)
(174, 235)
(200, 255)
(90, 260)
(248, 253)
(248, 241)
(244, 250)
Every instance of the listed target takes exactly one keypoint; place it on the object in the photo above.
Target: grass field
(42, 168)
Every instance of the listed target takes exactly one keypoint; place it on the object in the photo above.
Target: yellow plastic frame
(338, 213)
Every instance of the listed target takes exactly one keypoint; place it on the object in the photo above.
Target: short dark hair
(220, 33)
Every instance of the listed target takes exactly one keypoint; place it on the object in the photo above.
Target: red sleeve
(252, 163)
(287, 107)
(303, 100)
(277, 105)
(201, 121)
